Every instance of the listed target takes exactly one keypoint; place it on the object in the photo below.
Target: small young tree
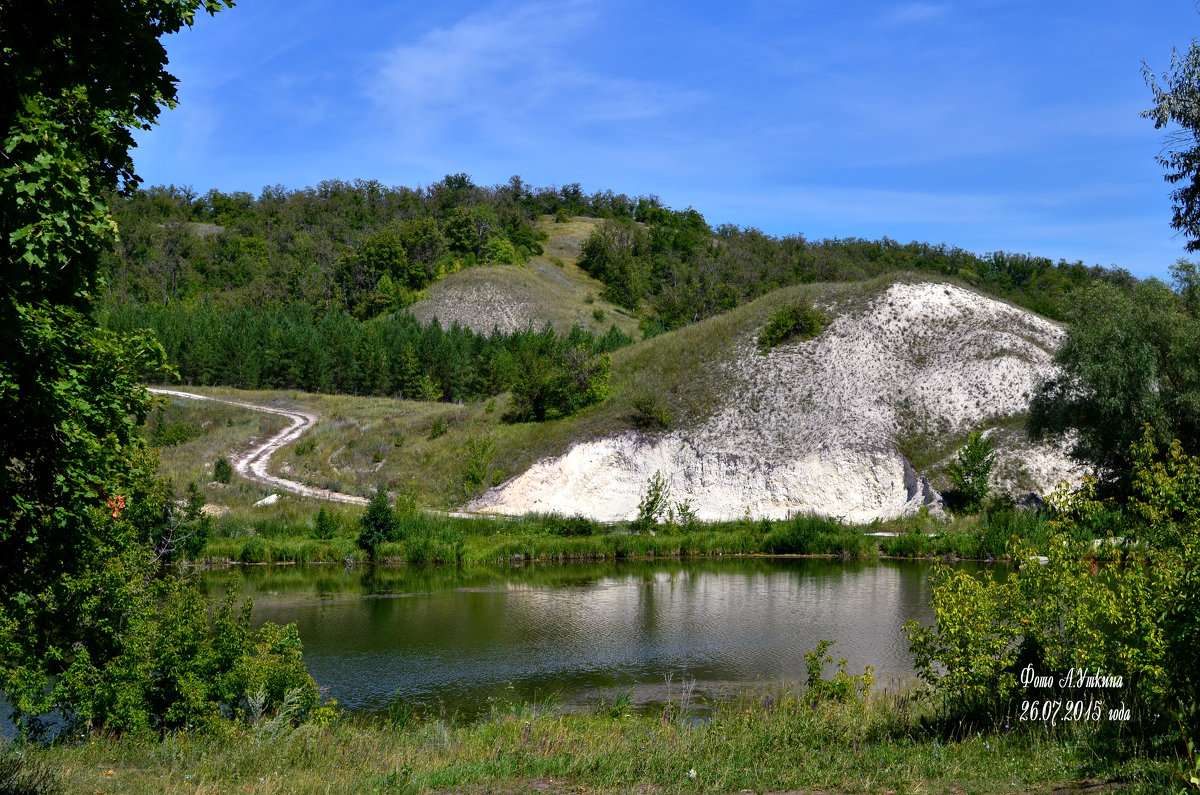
(377, 525)
(324, 524)
(222, 471)
(971, 471)
(654, 502)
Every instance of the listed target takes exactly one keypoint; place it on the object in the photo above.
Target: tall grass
(288, 533)
(773, 738)
(816, 535)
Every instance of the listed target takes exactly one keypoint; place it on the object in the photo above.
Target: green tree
(615, 254)
(1130, 357)
(84, 524)
(325, 524)
(971, 470)
(377, 524)
(654, 502)
(1177, 106)
(222, 470)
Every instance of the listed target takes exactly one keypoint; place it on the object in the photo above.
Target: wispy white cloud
(509, 71)
(916, 13)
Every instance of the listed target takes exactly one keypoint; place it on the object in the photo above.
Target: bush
(816, 535)
(800, 320)
(186, 666)
(650, 412)
(222, 471)
(971, 470)
(912, 544)
(168, 434)
(682, 517)
(253, 551)
(572, 526)
(555, 384)
(844, 687)
(478, 461)
(653, 504)
(1066, 611)
(325, 524)
(377, 525)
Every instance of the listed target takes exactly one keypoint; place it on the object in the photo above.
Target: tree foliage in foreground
(1131, 613)
(1177, 106)
(87, 625)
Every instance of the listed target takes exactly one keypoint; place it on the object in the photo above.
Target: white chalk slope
(817, 426)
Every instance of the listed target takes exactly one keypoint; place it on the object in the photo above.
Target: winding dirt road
(252, 464)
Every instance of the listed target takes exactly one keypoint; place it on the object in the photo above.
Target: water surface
(453, 639)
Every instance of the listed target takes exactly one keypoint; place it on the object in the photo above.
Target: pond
(451, 640)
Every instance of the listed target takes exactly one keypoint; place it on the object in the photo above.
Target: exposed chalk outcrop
(818, 426)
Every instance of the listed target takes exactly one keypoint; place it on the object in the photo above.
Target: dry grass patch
(550, 288)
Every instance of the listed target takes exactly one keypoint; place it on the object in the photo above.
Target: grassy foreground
(768, 740)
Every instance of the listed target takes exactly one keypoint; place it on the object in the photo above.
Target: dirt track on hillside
(252, 464)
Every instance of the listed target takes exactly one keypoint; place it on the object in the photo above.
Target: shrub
(844, 687)
(650, 412)
(253, 551)
(168, 434)
(406, 505)
(654, 502)
(325, 524)
(681, 516)
(222, 471)
(800, 320)
(971, 470)
(184, 665)
(478, 460)
(816, 535)
(1063, 612)
(418, 550)
(558, 384)
(572, 526)
(377, 525)
(912, 544)
(501, 250)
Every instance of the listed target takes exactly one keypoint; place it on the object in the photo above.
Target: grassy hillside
(549, 288)
(433, 448)
(419, 445)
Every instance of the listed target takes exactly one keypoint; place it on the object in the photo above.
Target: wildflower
(692, 773)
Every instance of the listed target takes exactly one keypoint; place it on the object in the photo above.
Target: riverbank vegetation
(771, 738)
(293, 535)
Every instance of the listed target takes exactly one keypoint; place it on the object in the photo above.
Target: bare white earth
(479, 307)
(252, 463)
(817, 426)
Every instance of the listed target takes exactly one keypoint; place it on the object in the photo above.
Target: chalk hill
(853, 423)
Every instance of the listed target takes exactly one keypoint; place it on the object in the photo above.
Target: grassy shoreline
(287, 535)
(768, 739)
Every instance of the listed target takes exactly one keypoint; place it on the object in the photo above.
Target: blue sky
(988, 125)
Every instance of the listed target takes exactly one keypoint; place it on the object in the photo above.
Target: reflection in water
(456, 638)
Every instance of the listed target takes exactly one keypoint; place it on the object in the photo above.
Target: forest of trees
(366, 248)
(679, 270)
(306, 289)
(294, 346)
